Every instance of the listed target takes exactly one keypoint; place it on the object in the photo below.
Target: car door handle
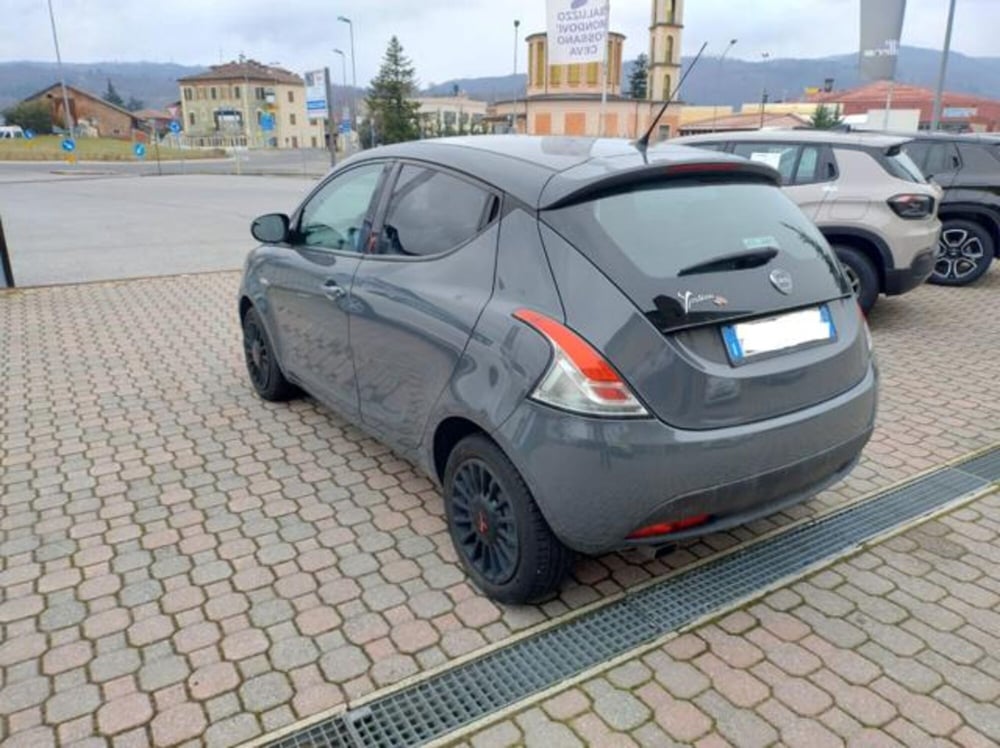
(332, 290)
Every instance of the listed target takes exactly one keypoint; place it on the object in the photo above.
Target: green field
(48, 148)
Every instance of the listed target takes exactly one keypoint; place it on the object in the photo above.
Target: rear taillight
(912, 206)
(579, 379)
(666, 528)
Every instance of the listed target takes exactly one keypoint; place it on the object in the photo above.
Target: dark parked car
(968, 168)
(589, 347)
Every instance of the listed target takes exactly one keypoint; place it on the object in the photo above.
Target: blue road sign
(175, 126)
(267, 122)
(68, 145)
(29, 134)
(345, 126)
(139, 149)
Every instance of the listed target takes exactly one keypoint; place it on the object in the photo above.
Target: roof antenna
(643, 143)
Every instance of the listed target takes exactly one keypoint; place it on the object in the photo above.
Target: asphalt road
(80, 227)
(301, 162)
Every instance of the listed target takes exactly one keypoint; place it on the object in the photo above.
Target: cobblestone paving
(183, 563)
(896, 646)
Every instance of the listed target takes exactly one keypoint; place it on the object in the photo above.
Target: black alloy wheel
(262, 367)
(484, 522)
(502, 539)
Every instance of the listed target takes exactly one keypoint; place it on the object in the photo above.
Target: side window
(942, 158)
(337, 217)
(780, 156)
(431, 212)
(808, 169)
(918, 152)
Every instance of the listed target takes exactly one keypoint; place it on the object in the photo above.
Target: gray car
(588, 346)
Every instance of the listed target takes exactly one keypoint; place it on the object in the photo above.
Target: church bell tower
(665, 48)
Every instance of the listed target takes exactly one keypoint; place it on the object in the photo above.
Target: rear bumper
(901, 280)
(596, 481)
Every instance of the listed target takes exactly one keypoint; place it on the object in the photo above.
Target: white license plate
(746, 340)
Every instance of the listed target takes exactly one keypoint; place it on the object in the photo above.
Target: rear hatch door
(749, 314)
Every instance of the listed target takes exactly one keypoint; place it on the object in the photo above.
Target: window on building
(668, 11)
(212, 92)
(573, 76)
(236, 92)
(191, 119)
(539, 64)
(667, 86)
(291, 97)
(259, 93)
(188, 94)
(593, 73)
(555, 74)
(291, 119)
(669, 56)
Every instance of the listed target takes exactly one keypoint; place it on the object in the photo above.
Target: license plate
(747, 340)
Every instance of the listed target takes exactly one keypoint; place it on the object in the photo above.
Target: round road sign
(68, 145)
(140, 150)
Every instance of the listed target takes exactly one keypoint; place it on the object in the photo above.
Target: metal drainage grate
(445, 702)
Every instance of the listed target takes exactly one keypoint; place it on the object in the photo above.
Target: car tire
(964, 252)
(262, 366)
(503, 541)
(862, 275)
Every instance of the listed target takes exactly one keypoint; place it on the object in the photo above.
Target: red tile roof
(248, 70)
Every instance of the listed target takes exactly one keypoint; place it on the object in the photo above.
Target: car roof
(827, 137)
(544, 170)
(956, 137)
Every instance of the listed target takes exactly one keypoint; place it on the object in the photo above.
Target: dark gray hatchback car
(588, 346)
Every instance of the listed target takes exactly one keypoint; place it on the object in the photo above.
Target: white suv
(861, 190)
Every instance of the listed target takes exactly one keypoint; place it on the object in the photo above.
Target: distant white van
(9, 132)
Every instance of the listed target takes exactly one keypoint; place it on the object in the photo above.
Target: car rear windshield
(664, 230)
(900, 165)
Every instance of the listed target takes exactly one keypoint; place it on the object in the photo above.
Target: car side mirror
(271, 228)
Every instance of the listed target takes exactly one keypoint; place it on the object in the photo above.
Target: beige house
(450, 115)
(247, 103)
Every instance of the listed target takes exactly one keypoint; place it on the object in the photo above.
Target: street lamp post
(715, 109)
(939, 91)
(62, 77)
(763, 89)
(354, 73)
(513, 116)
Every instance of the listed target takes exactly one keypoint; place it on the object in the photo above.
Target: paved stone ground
(183, 563)
(896, 646)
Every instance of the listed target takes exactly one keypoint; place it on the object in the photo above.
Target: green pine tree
(390, 97)
(825, 118)
(638, 78)
(112, 96)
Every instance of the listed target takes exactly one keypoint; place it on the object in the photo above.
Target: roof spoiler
(557, 196)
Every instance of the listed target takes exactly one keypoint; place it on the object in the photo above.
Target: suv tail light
(579, 379)
(912, 206)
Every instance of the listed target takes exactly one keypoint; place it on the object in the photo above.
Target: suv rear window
(900, 165)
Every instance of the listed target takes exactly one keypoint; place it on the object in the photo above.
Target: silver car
(586, 345)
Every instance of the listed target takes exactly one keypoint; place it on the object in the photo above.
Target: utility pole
(763, 90)
(939, 93)
(715, 109)
(329, 117)
(343, 66)
(62, 75)
(513, 115)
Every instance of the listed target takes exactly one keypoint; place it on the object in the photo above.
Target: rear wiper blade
(736, 261)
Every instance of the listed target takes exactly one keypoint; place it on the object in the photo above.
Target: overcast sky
(444, 38)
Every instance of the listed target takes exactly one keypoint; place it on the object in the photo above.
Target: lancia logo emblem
(782, 280)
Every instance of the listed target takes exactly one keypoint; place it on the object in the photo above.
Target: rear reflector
(665, 528)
